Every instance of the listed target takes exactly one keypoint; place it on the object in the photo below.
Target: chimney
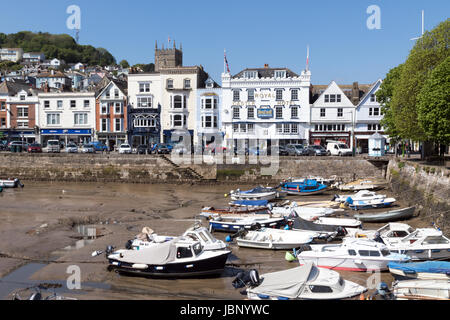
(266, 66)
(45, 87)
(355, 93)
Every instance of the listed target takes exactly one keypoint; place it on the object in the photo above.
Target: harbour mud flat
(41, 224)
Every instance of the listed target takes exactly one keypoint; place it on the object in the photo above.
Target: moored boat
(361, 184)
(233, 223)
(180, 257)
(214, 212)
(387, 216)
(360, 195)
(420, 270)
(11, 183)
(258, 193)
(351, 255)
(373, 203)
(305, 282)
(422, 290)
(275, 239)
(307, 187)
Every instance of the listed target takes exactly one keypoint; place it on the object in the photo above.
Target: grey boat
(388, 216)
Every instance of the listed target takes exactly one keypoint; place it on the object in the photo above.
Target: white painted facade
(208, 115)
(333, 117)
(270, 100)
(67, 116)
(11, 54)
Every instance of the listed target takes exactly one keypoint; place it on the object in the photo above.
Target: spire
(156, 44)
(174, 44)
(181, 47)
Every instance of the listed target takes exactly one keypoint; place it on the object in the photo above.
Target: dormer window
(209, 83)
(251, 74)
(280, 74)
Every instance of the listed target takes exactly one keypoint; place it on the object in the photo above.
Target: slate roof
(11, 88)
(266, 72)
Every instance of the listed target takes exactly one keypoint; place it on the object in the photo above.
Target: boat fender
(228, 238)
(286, 227)
(349, 200)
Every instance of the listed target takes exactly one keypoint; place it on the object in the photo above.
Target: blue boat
(420, 270)
(234, 224)
(306, 187)
(249, 203)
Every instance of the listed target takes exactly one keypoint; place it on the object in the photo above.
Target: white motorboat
(276, 239)
(352, 255)
(307, 213)
(423, 244)
(422, 290)
(305, 282)
(361, 195)
(148, 238)
(390, 233)
(179, 257)
(322, 180)
(258, 193)
(369, 204)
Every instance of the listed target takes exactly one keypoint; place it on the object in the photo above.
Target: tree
(433, 104)
(384, 96)
(428, 52)
(124, 64)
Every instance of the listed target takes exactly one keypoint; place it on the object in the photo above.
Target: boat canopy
(159, 254)
(288, 283)
(302, 224)
(428, 266)
(250, 202)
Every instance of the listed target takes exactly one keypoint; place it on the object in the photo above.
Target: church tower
(168, 58)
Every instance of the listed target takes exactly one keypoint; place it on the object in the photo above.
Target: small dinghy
(307, 213)
(421, 290)
(389, 233)
(11, 183)
(339, 222)
(420, 270)
(327, 181)
(351, 255)
(274, 239)
(307, 187)
(210, 212)
(179, 257)
(249, 203)
(388, 216)
(362, 195)
(258, 193)
(325, 231)
(148, 238)
(232, 223)
(305, 282)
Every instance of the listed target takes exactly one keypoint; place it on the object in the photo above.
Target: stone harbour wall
(426, 187)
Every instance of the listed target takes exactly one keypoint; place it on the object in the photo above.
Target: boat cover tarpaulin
(158, 254)
(288, 283)
(422, 267)
(250, 202)
(302, 224)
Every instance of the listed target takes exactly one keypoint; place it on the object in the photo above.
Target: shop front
(77, 136)
(322, 138)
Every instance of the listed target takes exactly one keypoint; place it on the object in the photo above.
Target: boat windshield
(435, 240)
(197, 249)
(313, 274)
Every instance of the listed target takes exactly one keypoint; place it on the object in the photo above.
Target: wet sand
(38, 224)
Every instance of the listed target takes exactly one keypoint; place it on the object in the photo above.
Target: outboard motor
(246, 278)
(341, 231)
(255, 226)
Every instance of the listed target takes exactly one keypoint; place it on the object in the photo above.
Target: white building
(264, 104)
(208, 117)
(11, 54)
(67, 116)
(33, 57)
(368, 118)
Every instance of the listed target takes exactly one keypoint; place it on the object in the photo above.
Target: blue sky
(253, 33)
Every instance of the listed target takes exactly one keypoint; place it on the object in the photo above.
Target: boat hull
(234, 227)
(346, 264)
(203, 267)
(401, 275)
(389, 216)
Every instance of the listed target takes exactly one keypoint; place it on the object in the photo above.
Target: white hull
(422, 290)
(254, 196)
(346, 263)
(420, 275)
(275, 239)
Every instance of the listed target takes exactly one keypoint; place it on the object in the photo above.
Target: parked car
(162, 148)
(21, 144)
(71, 148)
(125, 148)
(298, 150)
(338, 148)
(282, 151)
(53, 146)
(142, 149)
(87, 148)
(318, 150)
(34, 147)
(99, 146)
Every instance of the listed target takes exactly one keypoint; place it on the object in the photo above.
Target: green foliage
(433, 104)
(10, 66)
(427, 54)
(401, 165)
(124, 64)
(145, 67)
(61, 46)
